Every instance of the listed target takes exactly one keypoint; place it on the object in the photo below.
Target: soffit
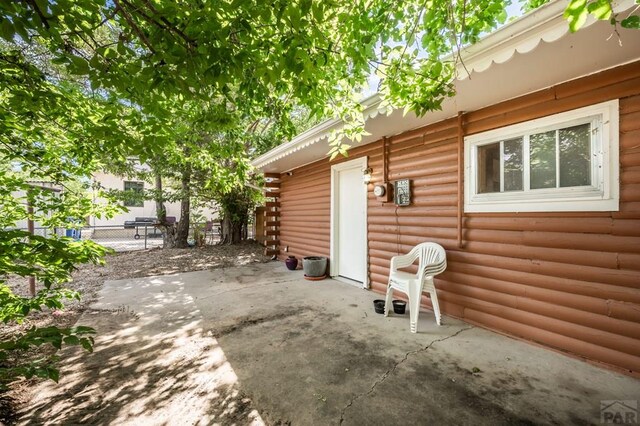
(509, 63)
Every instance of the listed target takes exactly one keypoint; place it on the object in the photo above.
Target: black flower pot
(399, 307)
(291, 262)
(378, 305)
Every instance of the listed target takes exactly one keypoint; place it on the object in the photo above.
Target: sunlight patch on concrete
(153, 364)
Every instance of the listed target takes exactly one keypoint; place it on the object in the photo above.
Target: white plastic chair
(432, 261)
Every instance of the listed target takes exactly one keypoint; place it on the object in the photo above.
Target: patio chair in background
(210, 232)
(432, 260)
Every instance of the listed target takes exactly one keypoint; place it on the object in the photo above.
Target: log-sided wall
(570, 281)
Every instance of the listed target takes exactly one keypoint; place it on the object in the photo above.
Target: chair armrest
(398, 262)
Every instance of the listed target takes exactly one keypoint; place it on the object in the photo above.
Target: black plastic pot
(399, 306)
(378, 304)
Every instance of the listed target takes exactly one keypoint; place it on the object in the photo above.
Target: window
(565, 162)
(133, 194)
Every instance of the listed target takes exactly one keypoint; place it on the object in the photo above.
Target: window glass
(575, 155)
(542, 160)
(134, 198)
(489, 168)
(563, 162)
(513, 168)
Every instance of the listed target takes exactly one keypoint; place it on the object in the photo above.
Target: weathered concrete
(260, 344)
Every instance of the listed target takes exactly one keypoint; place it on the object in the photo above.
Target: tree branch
(169, 26)
(134, 26)
(44, 19)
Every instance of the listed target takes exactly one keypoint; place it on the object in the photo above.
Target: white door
(351, 221)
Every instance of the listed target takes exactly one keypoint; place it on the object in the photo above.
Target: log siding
(569, 281)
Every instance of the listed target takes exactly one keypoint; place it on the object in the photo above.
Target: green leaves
(6, 30)
(578, 10)
(78, 66)
(87, 85)
(52, 133)
(154, 56)
(15, 348)
(631, 22)
(576, 13)
(600, 9)
(338, 149)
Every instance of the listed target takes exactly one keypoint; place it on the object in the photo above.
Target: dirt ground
(89, 280)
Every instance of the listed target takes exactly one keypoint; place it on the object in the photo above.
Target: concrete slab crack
(394, 367)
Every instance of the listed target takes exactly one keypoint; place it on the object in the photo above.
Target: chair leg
(436, 306)
(414, 307)
(387, 301)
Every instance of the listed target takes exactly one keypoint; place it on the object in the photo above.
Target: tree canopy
(197, 86)
(256, 58)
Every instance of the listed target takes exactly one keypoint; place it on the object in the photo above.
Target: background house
(532, 251)
(146, 208)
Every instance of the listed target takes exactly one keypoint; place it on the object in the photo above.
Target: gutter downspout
(385, 160)
(460, 177)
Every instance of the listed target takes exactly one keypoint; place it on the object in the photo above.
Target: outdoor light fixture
(366, 175)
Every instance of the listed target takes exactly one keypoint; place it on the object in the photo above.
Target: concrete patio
(259, 344)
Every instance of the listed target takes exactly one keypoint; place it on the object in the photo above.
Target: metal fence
(129, 238)
(45, 232)
(144, 236)
(121, 238)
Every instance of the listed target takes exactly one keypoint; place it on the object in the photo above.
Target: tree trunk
(161, 212)
(231, 231)
(168, 229)
(170, 233)
(182, 231)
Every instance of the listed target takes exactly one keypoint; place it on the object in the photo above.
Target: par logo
(619, 412)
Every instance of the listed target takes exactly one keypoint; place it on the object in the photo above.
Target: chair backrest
(432, 259)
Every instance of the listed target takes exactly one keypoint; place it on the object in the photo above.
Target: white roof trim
(522, 35)
(317, 133)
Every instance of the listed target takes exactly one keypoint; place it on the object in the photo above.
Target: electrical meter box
(402, 192)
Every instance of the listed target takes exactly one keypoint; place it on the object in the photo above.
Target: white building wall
(109, 181)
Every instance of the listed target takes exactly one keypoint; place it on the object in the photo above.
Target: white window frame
(601, 195)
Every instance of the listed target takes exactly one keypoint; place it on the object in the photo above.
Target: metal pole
(31, 229)
(145, 236)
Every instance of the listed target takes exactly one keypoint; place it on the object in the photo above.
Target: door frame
(360, 164)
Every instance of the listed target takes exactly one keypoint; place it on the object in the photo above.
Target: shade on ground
(259, 344)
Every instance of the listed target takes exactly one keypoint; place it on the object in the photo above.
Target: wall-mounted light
(366, 175)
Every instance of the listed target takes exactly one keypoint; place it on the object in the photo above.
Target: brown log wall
(570, 281)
